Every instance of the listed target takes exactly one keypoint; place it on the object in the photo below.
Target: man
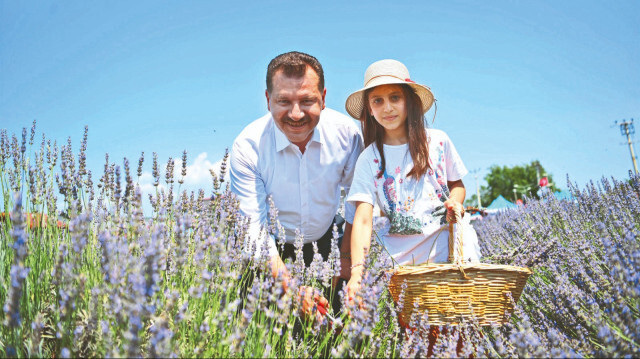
(299, 154)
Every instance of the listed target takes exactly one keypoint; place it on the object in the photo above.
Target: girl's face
(388, 106)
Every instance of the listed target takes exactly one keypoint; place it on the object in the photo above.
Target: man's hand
(309, 299)
(279, 270)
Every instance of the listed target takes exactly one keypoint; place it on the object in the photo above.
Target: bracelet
(355, 265)
(345, 255)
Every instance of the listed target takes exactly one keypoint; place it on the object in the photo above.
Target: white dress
(413, 229)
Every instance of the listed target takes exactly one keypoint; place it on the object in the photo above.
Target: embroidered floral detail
(403, 224)
(445, 190)
(439, 213)
(389, 191)
(375, 160)
(408, 204)
(440, 176)
(400, 222)
(410, 80)
(398, 170)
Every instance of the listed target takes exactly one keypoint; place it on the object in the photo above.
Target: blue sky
(515, 81)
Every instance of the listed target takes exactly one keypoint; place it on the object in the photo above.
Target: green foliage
(472, 201)
(503, 180)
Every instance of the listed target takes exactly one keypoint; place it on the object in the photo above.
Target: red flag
(543, 181)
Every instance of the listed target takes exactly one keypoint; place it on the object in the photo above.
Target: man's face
(295, 104)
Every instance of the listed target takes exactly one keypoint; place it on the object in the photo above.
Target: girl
(414, 174)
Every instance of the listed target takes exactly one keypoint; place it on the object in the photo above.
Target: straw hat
(385, 72)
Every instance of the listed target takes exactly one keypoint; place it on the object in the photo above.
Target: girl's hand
(352, 287)
(352, 293)
(451, 204)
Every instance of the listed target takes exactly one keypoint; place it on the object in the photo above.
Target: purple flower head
(18, 273)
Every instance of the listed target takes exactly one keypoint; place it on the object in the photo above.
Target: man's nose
(296, 112)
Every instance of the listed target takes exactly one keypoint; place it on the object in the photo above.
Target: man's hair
(294, 64)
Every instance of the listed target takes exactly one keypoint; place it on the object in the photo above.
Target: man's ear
(324, 94)
(266, 93)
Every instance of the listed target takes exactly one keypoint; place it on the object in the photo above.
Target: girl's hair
(415, 126)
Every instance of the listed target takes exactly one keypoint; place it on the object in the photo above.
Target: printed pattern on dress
(400, 211)
(397, 211)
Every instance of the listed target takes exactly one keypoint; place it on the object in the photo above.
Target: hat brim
(355, 101)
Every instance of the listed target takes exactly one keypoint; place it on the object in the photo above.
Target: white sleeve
(454, 166)
(363, 188)
(249, 188)
(348, 173)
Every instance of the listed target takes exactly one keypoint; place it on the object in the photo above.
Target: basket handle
(455, 256)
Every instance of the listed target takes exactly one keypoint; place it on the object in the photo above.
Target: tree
(503, 180)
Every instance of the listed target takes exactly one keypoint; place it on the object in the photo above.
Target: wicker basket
(452, 292)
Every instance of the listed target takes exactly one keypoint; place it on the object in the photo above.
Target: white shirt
(412, 230)
(305, 187)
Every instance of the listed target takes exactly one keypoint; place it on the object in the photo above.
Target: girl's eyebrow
(389, 94)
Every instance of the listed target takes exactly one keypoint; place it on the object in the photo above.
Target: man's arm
(278, 269)
(247, 185)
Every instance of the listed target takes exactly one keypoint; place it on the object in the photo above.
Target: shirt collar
(283, 142)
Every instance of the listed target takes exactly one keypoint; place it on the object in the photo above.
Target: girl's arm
(360, 242)
(457, 193)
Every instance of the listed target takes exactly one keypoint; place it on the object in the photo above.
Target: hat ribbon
(399, 78)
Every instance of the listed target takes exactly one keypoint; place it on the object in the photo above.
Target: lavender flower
(112, 282)
(128, 191)
(140, 162)
(23, 146)
(5, 150)
(156, 172)
(18, 271)
(33, 133)
(82, 155)
(184, 167)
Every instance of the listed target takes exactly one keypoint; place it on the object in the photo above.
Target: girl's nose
(387, 106)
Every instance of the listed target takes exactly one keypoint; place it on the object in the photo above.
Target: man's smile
(296, 124)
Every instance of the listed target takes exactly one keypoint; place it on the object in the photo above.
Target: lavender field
(85, 271)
